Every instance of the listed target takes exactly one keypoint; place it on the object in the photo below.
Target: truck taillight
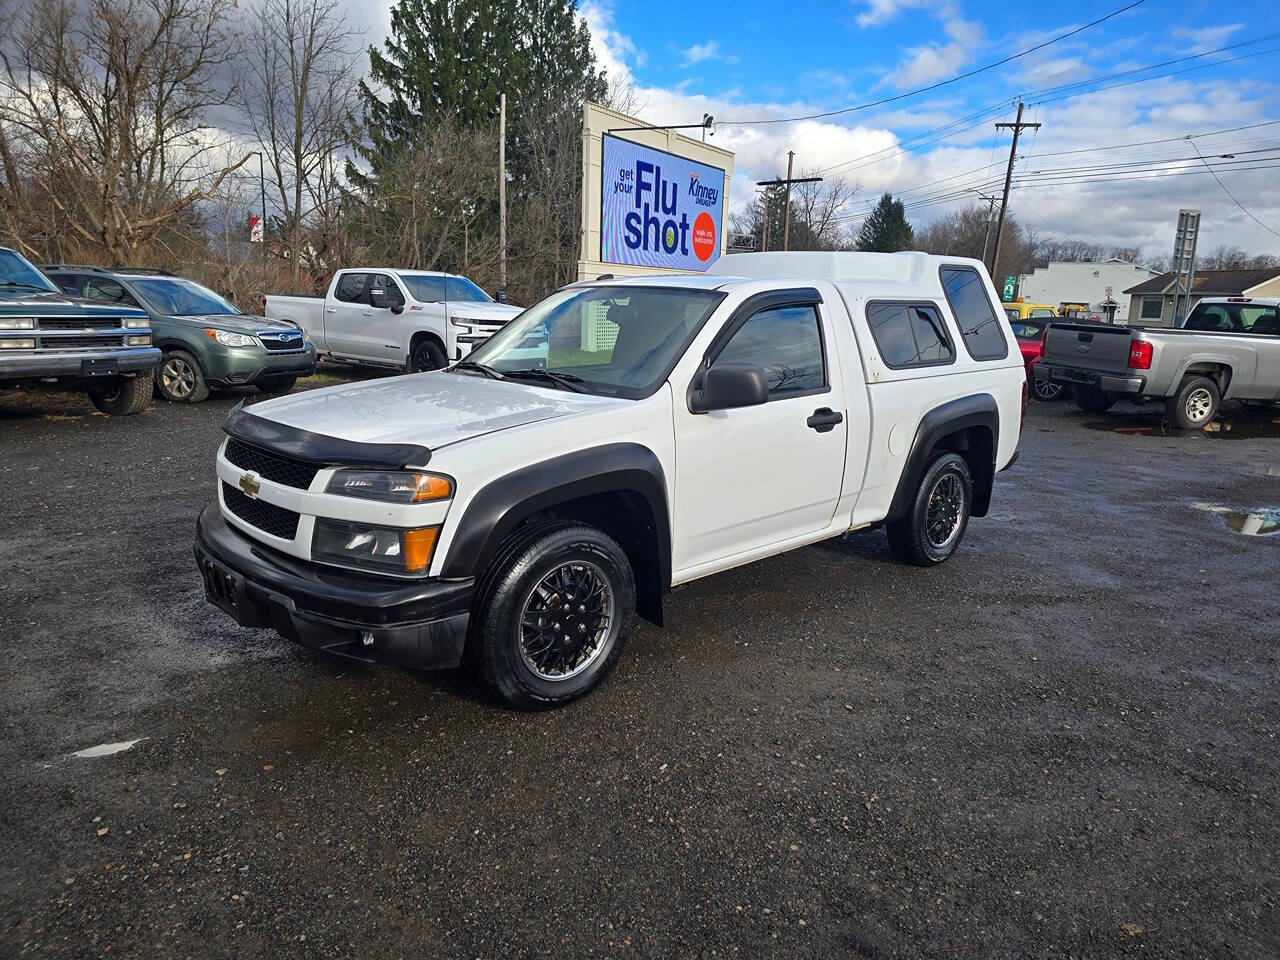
(1140, 355)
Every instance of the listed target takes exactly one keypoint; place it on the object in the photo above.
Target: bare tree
(420, 211)
(103, 139)
(297, 97)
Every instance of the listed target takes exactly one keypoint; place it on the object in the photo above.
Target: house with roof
(1151, 302)
(1094, 284)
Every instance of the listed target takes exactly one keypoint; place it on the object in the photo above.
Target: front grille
(79, 323)
(70, 343)
(287, 342)
(267, 517)
(273, 466)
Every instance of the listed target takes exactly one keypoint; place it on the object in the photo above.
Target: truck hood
(32, 303)
(426, 409)
(485, 312)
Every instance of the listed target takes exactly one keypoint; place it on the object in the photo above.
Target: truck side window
(99, 288)
(350, 288)
(982, 332)
(787, 343)
(387, 287)
(909, 334)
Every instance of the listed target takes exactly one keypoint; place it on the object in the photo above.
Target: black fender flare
(976, 410)
(505, 502)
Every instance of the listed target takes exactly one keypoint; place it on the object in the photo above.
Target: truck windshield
(614, 341)
(17, 272)
(177, 297)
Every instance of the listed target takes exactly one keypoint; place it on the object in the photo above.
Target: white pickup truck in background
(411, 320)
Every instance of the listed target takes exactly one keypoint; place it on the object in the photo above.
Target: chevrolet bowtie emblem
(249, 485)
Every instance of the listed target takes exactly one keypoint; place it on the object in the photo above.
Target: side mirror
(729, 385)
(500, 296)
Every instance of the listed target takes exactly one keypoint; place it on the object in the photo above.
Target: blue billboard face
(658, 210)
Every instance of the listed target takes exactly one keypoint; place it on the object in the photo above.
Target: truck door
(344, 314)
(754, 476)
(356, 328)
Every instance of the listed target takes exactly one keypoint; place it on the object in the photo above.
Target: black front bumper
(419, 624)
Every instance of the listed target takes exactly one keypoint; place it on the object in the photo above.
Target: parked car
(410, 320)
(205, 340)
(1228, 349)
(49, 339)
(1030, 337)
(1017, 310)
(679, 426)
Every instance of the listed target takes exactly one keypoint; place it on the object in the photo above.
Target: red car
(1030, 335)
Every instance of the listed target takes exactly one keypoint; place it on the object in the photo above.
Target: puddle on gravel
(1260, 523)
(1236, 429)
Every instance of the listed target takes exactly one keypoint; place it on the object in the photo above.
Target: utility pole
(502, 193)
(786, 226)
(1017, 127)
(262, 187)
(986, 230)
(764, 224)
(786, 210)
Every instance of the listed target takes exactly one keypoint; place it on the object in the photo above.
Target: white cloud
(929, 62)
(702, 51)
(1208, 38)
(882, 11)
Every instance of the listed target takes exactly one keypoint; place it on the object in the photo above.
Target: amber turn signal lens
(432, 487)
(418, 546)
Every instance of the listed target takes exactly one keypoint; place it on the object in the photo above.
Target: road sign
(1009, 284)
(255, 229)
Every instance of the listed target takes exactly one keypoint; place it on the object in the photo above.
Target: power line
(942, 83)
(898, 151)
(1228, 192)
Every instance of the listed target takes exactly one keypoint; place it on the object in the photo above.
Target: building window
(1152, 308)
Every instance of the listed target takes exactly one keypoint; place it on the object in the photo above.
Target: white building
(1100, 286)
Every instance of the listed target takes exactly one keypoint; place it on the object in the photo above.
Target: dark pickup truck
(48, 339)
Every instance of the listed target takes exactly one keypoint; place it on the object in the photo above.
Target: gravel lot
(1062, 743)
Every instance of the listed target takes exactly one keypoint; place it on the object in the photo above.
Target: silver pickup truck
(1229, 348)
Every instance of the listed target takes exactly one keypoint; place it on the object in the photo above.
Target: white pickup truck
(676, 426)
(411, 320)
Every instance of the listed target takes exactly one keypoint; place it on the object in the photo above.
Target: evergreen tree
(452, 58)
(886, 230)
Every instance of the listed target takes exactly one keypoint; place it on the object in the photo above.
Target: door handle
(824, 419)
(368, 313)
(330, 309)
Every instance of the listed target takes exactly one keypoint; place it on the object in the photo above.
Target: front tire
(553, 616)
(1092, 401)
(935, 521)
(427, 355)
(1194, 405)
(179, 378)
(130, 396)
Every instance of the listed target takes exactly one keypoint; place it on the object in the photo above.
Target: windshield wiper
(566, 380)
(25, 286)
(479, 368)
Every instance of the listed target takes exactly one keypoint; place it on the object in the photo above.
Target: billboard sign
(658, 209)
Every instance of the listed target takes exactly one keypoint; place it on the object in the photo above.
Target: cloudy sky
(1118, 85)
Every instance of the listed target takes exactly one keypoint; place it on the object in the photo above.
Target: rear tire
(553, 615)
(1194, 405)
(935, 521)
(1092, 401)
(179, 378)
(130, 396)
(427, 355)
